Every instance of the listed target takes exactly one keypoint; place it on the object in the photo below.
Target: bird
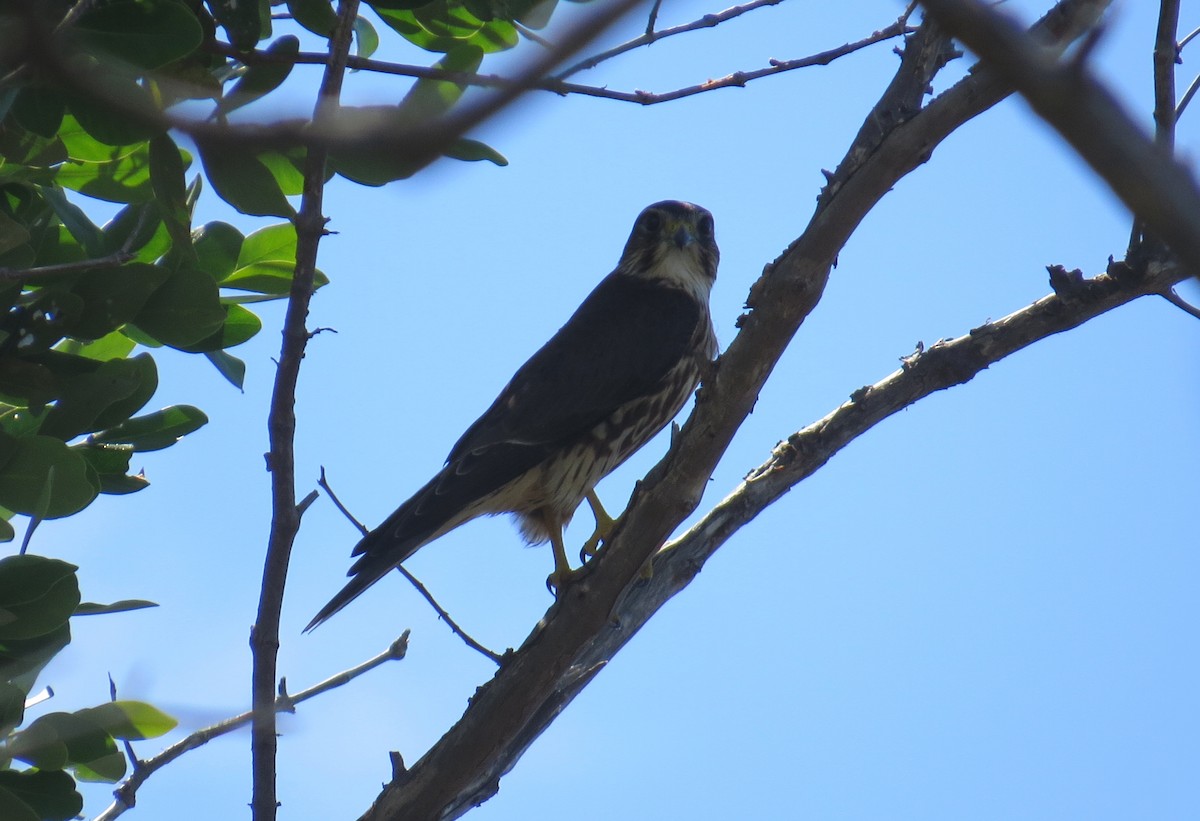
(611, 378)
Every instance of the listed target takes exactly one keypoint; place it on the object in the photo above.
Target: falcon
(613, 376)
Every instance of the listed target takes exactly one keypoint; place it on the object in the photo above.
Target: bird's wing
(617, 346)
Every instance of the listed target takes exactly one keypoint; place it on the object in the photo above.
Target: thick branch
(281, 424)
(578, 635)
(1166, 57)
(1161, 192)
(944, 365)
(126, 793)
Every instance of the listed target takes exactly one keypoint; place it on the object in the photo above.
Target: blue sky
(985, 607)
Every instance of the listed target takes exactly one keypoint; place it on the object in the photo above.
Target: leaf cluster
(38, 596)
(88, 95)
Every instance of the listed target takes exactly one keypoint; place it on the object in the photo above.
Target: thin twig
(707, 21)
(281, 424)
(1191, 35)
(1187, 97)
(126, 792)
(1179, 302)
(1161, 191)
(563, 88)
(652, 20)
(44, 271)
(420, 144)
(413, 580)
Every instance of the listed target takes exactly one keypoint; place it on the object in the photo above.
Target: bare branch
(651, 36)
(281, 425)
(579, 634)
(943, 365)
(1158, 190)
(1166, 57)
(415, 582)
(1179, 302)
(126, 792)
(561, 87)
(652, 20)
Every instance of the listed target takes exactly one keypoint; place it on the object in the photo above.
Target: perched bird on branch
(603, 386)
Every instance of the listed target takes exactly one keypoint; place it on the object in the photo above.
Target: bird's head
(673, 241)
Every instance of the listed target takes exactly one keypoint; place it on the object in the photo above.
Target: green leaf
(217, 245)
(39, 594)
(75, 220)
(85, 396)
(12, 234)
(131, 720)
(58, 740)
(229, 366)
(267, 261)
(113, 296)
(166, 179)
(112, 346)
(184, 310)
(242, 21)
(12, 707)
(474, 151)
(374, 164)
(49, 796)
(133, 228)
(104, 458)
(365, 36)
(144, 33)
(132, 123)
(240, 326)
(39, 109)
(122, 409)
(21, 661)
(39, 463)
(88, 608)
(429, 99)
(157, 430)
(7, 534)
(12, 808)
(315, 15)
(126, 179)
(287, 169)
(244, 182)
(262, 78)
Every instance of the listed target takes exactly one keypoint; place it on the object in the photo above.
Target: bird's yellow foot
(604, 526)
(563, 574)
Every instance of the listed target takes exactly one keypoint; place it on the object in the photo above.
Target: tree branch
(652, 36)
(414, 581)
(420, 144)
(561, 87)
(281, 424)
(1166, 57)
(1161, 192)
(578, 635)
(944, 365)
(126, 792)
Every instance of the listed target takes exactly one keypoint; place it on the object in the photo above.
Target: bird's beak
(683, 237)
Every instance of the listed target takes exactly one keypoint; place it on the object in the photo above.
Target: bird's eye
(652, 222)
(705, 228)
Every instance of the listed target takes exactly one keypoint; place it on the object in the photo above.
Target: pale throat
(682, 269)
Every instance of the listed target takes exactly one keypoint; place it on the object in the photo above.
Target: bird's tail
(415, 523)
(463, 489)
